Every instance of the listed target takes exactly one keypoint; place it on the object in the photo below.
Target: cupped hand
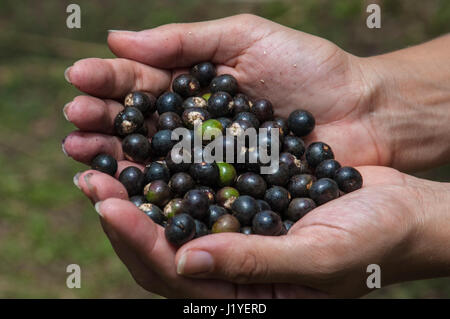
(325, 254)
(291, 68)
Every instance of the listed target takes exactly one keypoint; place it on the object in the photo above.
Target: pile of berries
(195, 198)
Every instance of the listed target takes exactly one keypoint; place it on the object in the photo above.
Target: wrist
(407, 102)
(424, 253)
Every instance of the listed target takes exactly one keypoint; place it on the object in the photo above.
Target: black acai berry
(162, 142)
(176, 162)
(301, 122)
(204, 72)
(174, 207)
(169, 102)
(242, 103)
(323, 191)
(283, 124)
(136, 147)
(251, 184)
(318, 152)
(294, 145)
(299, 207)
(129, 121)
(348, 179)
(138, 200)
(278, 176)
(244, 208)
(169, 121)
(226, 196)
(186, 85)
(278, 198)
(226, 224)
(263, 110)
(288, 224)
(156, 171)
(194, 101)
(262, 205)
(104, 163)
(295, 165)
(196, 203)
(144, 101)
(299, 185)
(200, 229)
(180, 229)
(247, 116)
(158, 193)
(209, 192)
(225, 83)
(195, 116)
(225, 122)
(246, 230)
(205, 173)
(154, 212)
(267, 223)
(133, 180)
(180, 183)
(220, 104)
(214, 212)
(327, 168)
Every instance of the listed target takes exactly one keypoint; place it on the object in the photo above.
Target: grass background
(45, 222)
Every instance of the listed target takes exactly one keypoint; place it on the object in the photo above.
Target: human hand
(292, 69)
(396, 221)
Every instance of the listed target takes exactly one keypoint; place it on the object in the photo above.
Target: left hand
(325, 254)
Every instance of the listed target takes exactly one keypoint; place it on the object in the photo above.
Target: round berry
(181, 183)
(263, 110)
(317, 152)
(294, 145)
(278, 198)
(158, 193)
(214, 212)
(295, 165)
(226, 224)
(251, 184)
(169, 102)
(323, 191)
(162, 142)
(200, 229)
(267, 223)
(204, 72)
(136, 148)
(247, 116)
(226, 196)
(104, 163)
(138, 200)
(301, 123)
(327, 168)
(194, 101)
(156, 171)
(133, 180)
(220, 104)
(174, 207)
(278, 176)
(299, 185)
(227, 174)
(154, 212)
(299, 207)
(144, 101)
(348, 179)
(169, 121)
(186, 85)
(244, 208)
(205, 173)
(195, 116)
(180, 229)
(225, 83)
(128, 121)
(196, 203)
(242, 103)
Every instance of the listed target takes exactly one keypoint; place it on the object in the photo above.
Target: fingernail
(97, 207)
(63, 148)
(66, 74)
(194, 262)
(65, 108)
(76, 178)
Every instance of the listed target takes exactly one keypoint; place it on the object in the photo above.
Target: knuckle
(247, 269)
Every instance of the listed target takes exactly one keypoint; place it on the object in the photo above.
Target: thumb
(248, 259)
(183, 44)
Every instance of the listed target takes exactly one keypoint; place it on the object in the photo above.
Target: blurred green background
(45, 222)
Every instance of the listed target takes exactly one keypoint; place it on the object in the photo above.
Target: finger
(143, 275)
(84, 146)
(148, 241)
(92, 114)
(250, 259)
(181, 45)
(98, 186)
(114, 78)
